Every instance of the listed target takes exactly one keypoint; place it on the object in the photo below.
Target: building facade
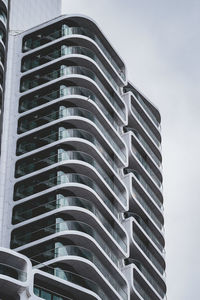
(81, 176)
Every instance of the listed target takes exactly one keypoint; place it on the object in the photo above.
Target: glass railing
(3, 17)
(13, 272)
(146, 228)
(32, 62)
(146, 166)
(48, 294)
(32, 43)
(146, 186)
(146, 275)
(77, 280)
(146, 208)
(81, 252)
(141, 291)
(40, 141)
(24, 190)
(66, 91)
(146, 108)
(73, 155)
(63, 112)
(40, 79)
(151, 257)
(61, 201)
(30, 236)
(146, 146)
(144, 124)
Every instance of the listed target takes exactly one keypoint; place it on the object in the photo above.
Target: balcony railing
(12, 272)
(32, 62)
(40, 141)
(146, 228)
(20, 240)
(146, 208)
(146, 275)
(71, 250)
(24, 190)
(145, 249)
(144, 124)
(141, 291)
(145, 107)
(32, 43)
(40, 79)
(37, 120)
(61, 201)
(146, 187)
(146, 166)
(74, 155)
(146, 146)
(3, 17)
(77, 280)
(66, 91)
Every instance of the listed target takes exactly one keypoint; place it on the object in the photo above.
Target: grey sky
(160, 44)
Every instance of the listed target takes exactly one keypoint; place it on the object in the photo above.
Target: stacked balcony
(144, 221)
(68, 194)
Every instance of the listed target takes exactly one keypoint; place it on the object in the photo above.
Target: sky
(159, 42)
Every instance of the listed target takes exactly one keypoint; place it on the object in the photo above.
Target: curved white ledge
(87, 124)
(87, 269)
(86, 216)
(77, 77)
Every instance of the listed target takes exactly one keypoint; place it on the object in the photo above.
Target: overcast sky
(160, 44)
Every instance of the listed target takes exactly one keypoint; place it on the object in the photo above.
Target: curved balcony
(38, 100)
(32, 43)
(37, 120)
(144, 124)
(58, 225)
(38, 60)
(146, 166)
(40, 79)
(3, 17)
(149, 211)
(10, 271)
(148, 253)
(73, 155)
(146, 147)
(77, 279)
(38, 184)
(71, 250)
(146, 228)
(41, 140)
(22, 213)
(146, 187)
(147, 275)
(147, 110)
(5, 3)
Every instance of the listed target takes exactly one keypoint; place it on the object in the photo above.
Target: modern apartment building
(81, 204)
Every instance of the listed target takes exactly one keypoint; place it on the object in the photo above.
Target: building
(81, 177)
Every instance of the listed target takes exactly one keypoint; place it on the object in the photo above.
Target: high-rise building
(81, 205)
